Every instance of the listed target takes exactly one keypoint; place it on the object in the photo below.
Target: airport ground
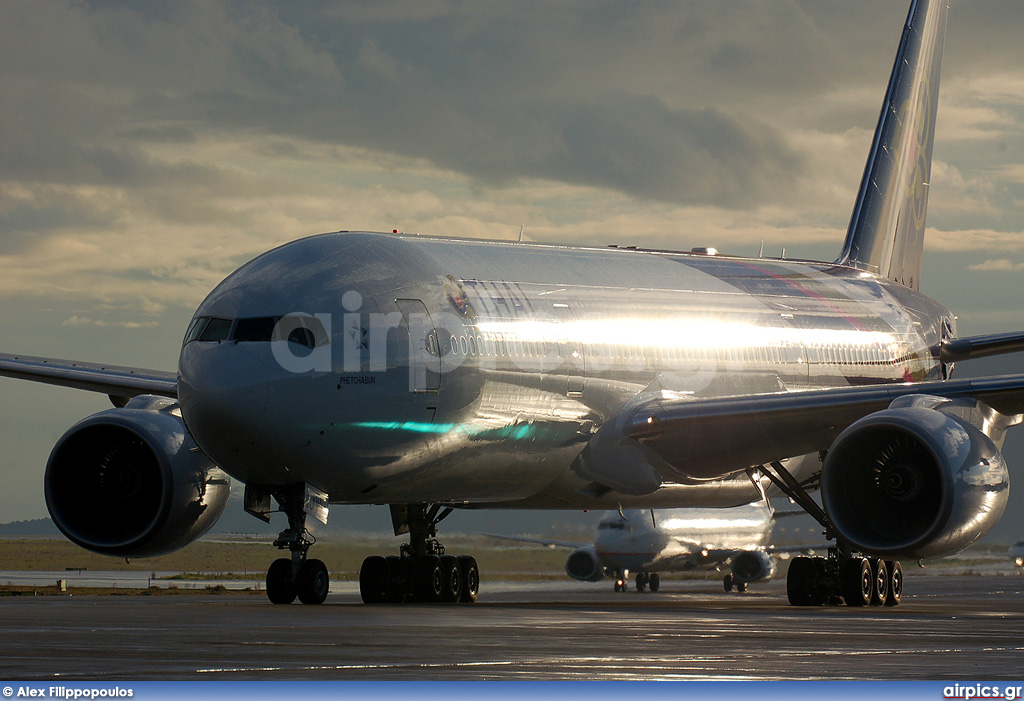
(951, 625)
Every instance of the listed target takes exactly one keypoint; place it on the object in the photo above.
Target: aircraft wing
(120, 383)
(538, 541)
(672, 437)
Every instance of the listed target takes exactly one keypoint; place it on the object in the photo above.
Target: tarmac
(948, 627)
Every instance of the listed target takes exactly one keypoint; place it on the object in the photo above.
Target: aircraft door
(570, 351)
(424, 347)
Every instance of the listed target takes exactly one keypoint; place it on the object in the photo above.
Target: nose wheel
(297, 576)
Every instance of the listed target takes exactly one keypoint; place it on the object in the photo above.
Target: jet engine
(131, 482)
(752, 566)
(914, 481)
(583, 564)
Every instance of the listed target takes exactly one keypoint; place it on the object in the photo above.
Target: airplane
(432, 373)
(650, 543)
(1016, 553)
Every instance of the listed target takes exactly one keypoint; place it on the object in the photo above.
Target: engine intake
(583, 564)
(131, 482)
(913, 481)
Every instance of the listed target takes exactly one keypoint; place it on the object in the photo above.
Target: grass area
(249, 560)
(11, 590)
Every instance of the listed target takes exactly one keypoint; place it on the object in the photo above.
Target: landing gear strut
(296, 576)
(423, 572)
(813, 581)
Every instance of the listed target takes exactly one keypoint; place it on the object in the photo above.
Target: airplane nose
(223, 397)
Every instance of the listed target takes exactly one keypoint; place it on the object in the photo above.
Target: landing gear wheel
(856, 580)
(727, 582)
(641, 581)
(427, 579)
(895, 582)
(280, 585)
(470, 579)
(451, 579)
(314, 582)
(373, 580)
(802, 582)
(397, 574)
(654, 582)
(741, 587)
(880, 595)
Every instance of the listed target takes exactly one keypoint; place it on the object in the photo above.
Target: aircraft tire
(802, 582)
(280, 585)
(741, 587)
(451, 579)
(373, 580)
(470, 579)
(856, 581)
(314, 582)
(641, 581)
(427, 579)
(880, 589)
(727, 582)
(895, 571)
(395, 582)
(654, 582)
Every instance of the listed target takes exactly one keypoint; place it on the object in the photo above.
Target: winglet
(886, 234)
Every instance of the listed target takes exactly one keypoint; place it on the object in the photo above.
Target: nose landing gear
(296, 576)
(423, 572)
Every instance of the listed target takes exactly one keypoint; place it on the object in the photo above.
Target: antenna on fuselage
(760, 251)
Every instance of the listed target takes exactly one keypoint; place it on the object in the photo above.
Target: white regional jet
(649, 543)
(437, 373)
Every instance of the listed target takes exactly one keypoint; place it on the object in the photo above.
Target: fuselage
(679, 539)
(399, 369)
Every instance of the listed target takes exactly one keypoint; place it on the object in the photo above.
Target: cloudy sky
(148, 150)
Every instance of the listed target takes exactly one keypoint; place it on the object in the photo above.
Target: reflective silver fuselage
(679, 539)
(473, 372)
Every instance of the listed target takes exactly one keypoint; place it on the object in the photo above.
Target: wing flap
(116, 381)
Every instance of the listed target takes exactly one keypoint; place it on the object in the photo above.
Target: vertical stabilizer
(886, 234)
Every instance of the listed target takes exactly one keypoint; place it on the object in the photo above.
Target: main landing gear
(423, 572)
(645, 580)
(842, 576)
(859, 581)
(729, 582)
(296, 576)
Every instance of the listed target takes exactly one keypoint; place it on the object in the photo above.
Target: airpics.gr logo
(981, 691)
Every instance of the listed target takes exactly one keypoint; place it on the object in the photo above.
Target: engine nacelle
(752, 566)
(913, 481)
(131, 482)
(584, 564)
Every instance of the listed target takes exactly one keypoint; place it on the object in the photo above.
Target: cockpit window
(216, 330)
(303, 337)
(255, 329)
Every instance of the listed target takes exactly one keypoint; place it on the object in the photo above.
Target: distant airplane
(435, 373)
(649, 543)
(1016, 553)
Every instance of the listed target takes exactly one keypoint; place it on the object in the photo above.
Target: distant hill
(35, 527)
